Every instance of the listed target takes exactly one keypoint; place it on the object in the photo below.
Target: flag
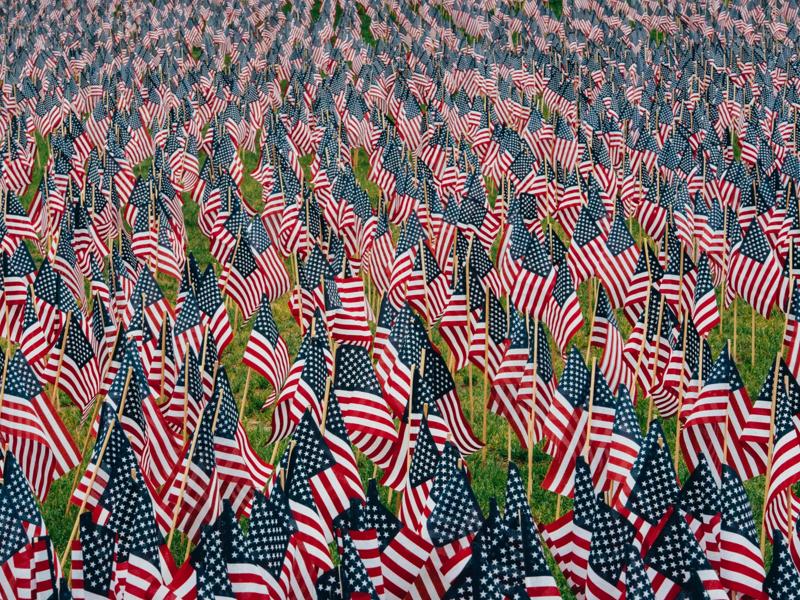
(366, 415)
(266, 352)
(74, 367)
(676, 563)
(754, 271)
(741, 563)
(33, 429)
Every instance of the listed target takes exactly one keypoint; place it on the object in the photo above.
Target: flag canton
(676, 553)
(619, 238)
(311, 454)
(610, 539)
(265, 323)
(499, 548)
(271, 528)
(204, 456)
(637, 584)
(375, 515)
(12, 530)
(425, 457)
(227, 413)
(354, 573)
(755, 245)
(209, 563)
(21, 381)
(783, 577)
(456, 514)
(354, 370)
(208, 295)
(737, 515)
(16, 491)
(574, 383)
(700, 494)
(585, 500)
(97, 546)
(655, 489)
(585, 228)
(133, 519)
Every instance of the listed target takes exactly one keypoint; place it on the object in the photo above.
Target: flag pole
(163, 352)
(485, 377)
(532, 416)
(591, 326)
(61, 360)
(591, 407)
(735, 325)
(770, 447)
(407, 436)
(680, 394)
(655, 357)
(753, 335)
(243, 403)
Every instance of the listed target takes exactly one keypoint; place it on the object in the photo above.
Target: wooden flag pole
(485, 377)
(163, 352)
(61, 361)
(469, 331)
(727, 423)
(753, 336)
(95, 470)
(429, 323)
(185, 476)
(532, 416)
(185, 433)
(724, 271)
(591, 326)
(325, 401)
(680, 395)
(243, 403)
(770, 446)
(655, 357)
(591, 407)
(789, 495)
(735, 326)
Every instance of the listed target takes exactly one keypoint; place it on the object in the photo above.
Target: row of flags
(437, 183)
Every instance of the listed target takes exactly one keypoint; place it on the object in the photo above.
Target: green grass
(657, 36)
(315, 8)
(556, 6)
(366, 21)
(489, 473)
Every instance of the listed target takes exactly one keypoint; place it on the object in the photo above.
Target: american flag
(783, 575)
(611, 539)
(33, 429)
(741, 563)
(538, 581)
(74, 367)
(754, 270)
(569, 537)
(304, 386)
(266, 351)
(214, 315)
(366, 414)
(308, 457)
(676, 563)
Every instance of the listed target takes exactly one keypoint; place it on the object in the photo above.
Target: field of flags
(399, 300)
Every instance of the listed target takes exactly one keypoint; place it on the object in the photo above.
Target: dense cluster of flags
(437, 181)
